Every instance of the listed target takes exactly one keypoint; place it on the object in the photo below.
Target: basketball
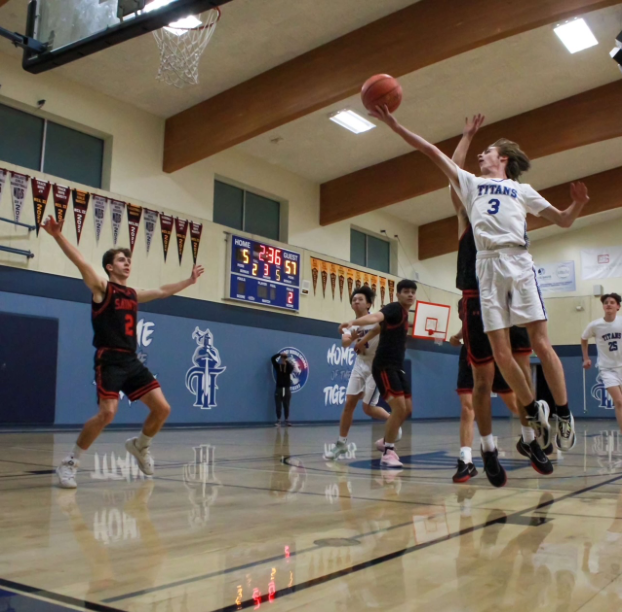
(379, 90)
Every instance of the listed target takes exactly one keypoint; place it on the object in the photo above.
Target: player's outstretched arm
(565, 218)
(93, 281)
(368, 319)
(446, 165)
(168, 290)
(587, 362)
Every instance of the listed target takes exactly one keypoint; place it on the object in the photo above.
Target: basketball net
(439, 337)
(181, 49)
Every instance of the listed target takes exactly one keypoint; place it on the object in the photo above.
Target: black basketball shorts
(465, 376)
(475, 339)
(391, 381)
(117, 370)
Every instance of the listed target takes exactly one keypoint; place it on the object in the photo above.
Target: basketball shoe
(540, 421)
(494, 470)
(380, 443)
(390, 459)
(465, 472)
(142, 455)
(539, 461)
(341, 448)
(66, 473)
(565, 437)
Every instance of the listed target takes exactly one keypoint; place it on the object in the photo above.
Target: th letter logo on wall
(599, 393)
(201, 379)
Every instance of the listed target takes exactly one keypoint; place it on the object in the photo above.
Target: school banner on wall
(324, 272)
(116, 209)
(605, 262)
(99, 214)
(80, 206)
(315, 271)
(556, 277)
(151, 216)
(166, 227)
(61, 202)
(333, 278)
(342, 280)
(196, 229)
(181, 230)
(383, 290)
(40, 195)
(19, 185)
(134, 213)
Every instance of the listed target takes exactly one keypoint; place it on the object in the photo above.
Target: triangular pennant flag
(133, 218)
(80, 206)
(151, 216)
(195, 237)
(19, 184)
(61, 202)
(99, 214)
(116, 210)
(181, 229)
(166, 227)
(40, 195)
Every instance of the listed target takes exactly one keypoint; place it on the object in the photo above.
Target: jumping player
(388, 364)
(117, 368)
(497, 206)
(361, 384)
(485, 373)
(608, 334)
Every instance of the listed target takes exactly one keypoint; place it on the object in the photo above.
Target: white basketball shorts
(362, 381)
(508, 289)
(611, 377)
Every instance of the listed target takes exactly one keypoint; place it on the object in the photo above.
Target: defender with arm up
(114, 310)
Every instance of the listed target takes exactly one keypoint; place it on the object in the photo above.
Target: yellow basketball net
(181, 46)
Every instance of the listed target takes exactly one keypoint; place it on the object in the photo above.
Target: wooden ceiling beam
(441, 237)
(417, 36)
(574, 122)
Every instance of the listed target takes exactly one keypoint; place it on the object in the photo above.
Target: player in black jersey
(478, 346)
(388, 364)
(117, 368)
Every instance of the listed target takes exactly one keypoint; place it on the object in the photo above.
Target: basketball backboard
(71, 29)
(431, 321)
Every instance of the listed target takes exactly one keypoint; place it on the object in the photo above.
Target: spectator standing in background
(282, 395)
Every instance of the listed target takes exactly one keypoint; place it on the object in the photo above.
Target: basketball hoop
(181, 46)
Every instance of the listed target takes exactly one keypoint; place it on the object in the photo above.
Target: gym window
(246, 211)
(36, 143)
(369, 251)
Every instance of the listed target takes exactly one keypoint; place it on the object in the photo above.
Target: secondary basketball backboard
(431, 321)
(71, 29)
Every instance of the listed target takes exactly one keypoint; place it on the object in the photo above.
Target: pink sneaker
(390, 460)
(380, 445)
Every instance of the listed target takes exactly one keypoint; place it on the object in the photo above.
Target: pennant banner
(61, 202)
(383, 289)
(134, 214)
(166, 227)
(358, 279)
(181, 229)
(374, 283)
(195, 237)
(80, 206)
(40, 195)
(19, 184)
(324, 271)
(116, 209)
(391, 288)
(3, 174)
(315, 270)
(333, 278)
(342, 280)
(99, 214)
(350, 277)
(151, 217)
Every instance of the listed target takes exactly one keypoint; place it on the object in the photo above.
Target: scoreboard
(263, 274)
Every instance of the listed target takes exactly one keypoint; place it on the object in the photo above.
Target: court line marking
(362, 565)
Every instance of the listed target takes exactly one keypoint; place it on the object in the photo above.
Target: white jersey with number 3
(608, 341)
(497, 209)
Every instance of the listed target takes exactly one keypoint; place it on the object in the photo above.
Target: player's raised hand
(52, 227)
(471, 126)
(587, 364)
(382, 113)
(344, 326)
(196, 272)
(578, 193)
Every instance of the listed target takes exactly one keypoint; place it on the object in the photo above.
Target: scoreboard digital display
(263, 274)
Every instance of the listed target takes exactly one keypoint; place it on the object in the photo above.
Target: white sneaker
(540, 422)
(66, 473)
(341, 448)
(566, 437)
(143, 456)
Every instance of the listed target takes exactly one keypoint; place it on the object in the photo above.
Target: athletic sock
(529, 435)
(532, 409)
(343, 439)
(465, 454)
(76, 452)
(488, 443)
(143, 441)
(388, 446)
(563, 411)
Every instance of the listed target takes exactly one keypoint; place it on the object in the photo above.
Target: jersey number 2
(495, 206)
(129, 325)
(613, 346)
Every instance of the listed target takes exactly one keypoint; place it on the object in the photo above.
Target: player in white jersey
(361, 384)
(608, 334)
(497, 206)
